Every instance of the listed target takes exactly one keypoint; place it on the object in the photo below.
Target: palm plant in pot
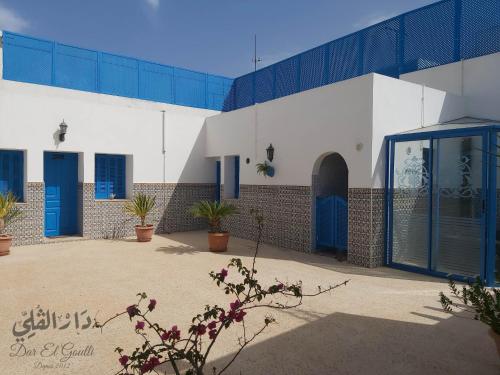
(140, 206)
(265, 169)
(9, 212)
(215, 211)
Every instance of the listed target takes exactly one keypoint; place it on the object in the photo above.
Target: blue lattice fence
(437, 34)
(33, 60)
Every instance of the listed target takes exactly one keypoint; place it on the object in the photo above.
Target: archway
(330, 183)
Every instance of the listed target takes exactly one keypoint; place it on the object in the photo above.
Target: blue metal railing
(437, 34)
(33, 60)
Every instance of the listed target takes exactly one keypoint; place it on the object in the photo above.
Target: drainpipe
(163, 151)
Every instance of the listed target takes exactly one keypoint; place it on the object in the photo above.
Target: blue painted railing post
(326, 64)
(297, 76)
(53, 72)
(98, 73)
(400, 46)
(457, 37)
(361, 39)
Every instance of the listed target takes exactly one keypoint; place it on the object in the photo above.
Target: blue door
(331, 222)
(61, 184)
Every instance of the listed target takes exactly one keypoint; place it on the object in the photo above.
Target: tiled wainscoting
(29, 229)
(107, 219)
(286, 211)
(366, 227)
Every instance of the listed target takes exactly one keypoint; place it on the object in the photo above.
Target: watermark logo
(50, 355)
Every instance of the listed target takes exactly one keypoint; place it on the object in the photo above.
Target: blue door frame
(61, 186)
(488, 196)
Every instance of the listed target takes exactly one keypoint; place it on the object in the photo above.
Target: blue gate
(61, 185)
(331, 222)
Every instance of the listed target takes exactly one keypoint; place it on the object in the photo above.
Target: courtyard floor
(383, 322)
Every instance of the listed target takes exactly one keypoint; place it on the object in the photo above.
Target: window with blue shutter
(109, 176)
(236, 177)
(12, 173)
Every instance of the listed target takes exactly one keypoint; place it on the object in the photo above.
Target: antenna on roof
(255, 59)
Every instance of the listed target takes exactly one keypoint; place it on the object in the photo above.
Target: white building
(327, 124)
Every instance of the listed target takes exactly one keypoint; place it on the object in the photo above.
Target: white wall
(478, 79)
(333, 118)
(30, 116)
(400, 106)
(301, 127)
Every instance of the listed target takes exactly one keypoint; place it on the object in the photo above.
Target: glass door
(437, 204)
(458, 205)
(410, 203)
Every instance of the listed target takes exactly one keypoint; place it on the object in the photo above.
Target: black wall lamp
(63, 129)
(270, 152)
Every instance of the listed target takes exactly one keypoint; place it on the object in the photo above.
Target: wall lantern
(63, 128)
(270, 152)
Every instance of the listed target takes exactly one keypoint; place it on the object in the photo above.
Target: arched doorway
(330, 189)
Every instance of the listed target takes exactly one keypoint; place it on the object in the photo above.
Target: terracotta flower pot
(5, 242)
(217, 242)
(496, 337)
(144, 234)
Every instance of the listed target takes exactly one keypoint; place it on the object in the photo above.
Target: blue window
(236, 177)
(109, 176)
(12, 173)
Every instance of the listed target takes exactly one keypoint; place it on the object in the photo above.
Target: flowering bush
(171, 346)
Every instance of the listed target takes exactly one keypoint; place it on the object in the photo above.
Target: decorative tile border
(286, 211)
(29, 229)
(366, 227)
(107, 219)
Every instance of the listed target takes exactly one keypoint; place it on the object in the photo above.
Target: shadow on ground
(193, 242)
(351, 344)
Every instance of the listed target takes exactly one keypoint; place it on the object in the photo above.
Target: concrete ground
(384, 322)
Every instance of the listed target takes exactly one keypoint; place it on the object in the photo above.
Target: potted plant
(214, 211)
(140, 206)
(482, 303)
(9, 212)
(265, 169)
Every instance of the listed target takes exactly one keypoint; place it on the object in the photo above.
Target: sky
(213, 36)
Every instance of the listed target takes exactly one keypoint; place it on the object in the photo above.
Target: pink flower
(212, 325)
(212, 334)
(222, 316)
(166, 335)
(152, 304)
(132, 311)
(280, 286)
(139, 325)
(176, 334)
(223, 273)
(123, 360)
(240, 315)
(201, 330)
(150, 365)
(235, 305)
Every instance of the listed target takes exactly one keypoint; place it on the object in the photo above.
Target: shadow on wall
(176, 199)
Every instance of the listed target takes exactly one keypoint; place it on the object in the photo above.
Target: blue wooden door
(61, 186)
(331, 222)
